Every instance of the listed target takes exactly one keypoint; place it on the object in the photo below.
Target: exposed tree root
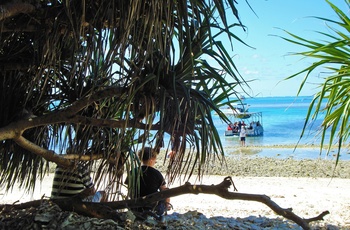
(107, 210)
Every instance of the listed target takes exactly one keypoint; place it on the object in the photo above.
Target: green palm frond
(333, 54)
(104, 78)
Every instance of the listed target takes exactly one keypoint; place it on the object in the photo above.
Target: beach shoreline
(307, 186)
(252, 166)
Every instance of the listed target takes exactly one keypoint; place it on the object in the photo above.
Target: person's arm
(87, 192)
(167, 200)
(87, 182)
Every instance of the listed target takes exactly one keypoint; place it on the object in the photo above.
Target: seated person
(151, 181)
(75, 182)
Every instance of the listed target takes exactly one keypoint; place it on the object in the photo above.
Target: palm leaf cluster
(100, 79)
(332, 54)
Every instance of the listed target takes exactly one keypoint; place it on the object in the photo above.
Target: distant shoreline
(243, 165)
(302, 151)
(291, 146)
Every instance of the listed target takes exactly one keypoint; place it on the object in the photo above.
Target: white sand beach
(307, 196)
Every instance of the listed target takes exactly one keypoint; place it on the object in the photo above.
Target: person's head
(148, 155)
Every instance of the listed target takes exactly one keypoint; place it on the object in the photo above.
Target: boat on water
(240, 116)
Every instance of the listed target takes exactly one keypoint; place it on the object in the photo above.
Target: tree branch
(107, 209)
(68, 115)
(13, 9)
(64, 160)
(44, 153)
(15, 130)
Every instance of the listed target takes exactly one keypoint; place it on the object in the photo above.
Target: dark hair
(147, 153)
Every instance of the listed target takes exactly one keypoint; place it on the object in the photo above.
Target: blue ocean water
(283, 119)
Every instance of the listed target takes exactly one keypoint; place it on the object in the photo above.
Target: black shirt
(150, 181)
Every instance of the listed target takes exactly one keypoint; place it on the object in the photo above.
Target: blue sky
(269, 62)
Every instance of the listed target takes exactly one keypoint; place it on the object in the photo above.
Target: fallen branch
(108, 209)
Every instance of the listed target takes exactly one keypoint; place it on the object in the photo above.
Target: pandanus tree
(331, 58)
(96, 80)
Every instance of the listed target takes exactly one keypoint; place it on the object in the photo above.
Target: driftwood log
(107, 210)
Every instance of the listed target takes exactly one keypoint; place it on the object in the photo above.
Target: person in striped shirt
(77, 182)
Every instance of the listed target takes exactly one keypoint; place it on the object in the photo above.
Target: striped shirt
(67, 183)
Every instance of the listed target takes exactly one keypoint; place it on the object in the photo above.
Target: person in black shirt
(150, 180)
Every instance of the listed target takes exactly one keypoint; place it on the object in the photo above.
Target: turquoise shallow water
(283, 120)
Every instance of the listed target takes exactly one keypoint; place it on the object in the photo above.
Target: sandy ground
(307, 196)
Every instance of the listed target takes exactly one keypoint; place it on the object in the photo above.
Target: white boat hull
(258, 131)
